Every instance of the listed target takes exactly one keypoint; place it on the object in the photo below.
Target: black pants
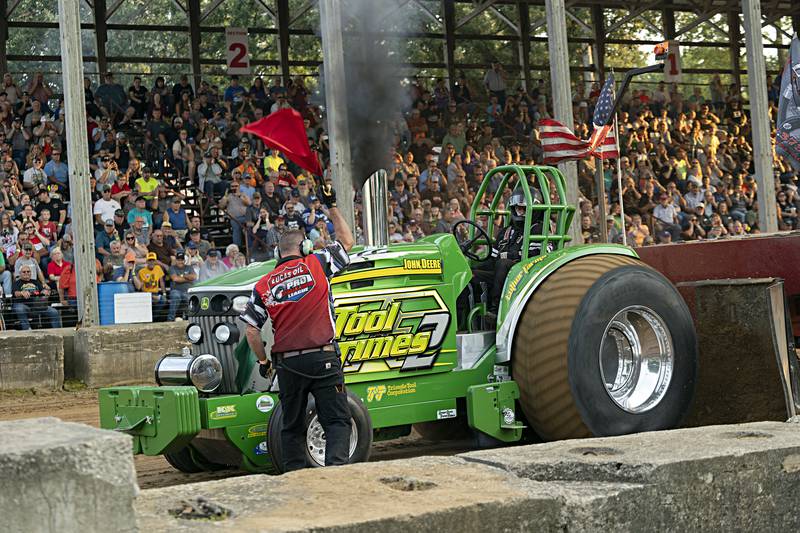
(494, 272)
(331, 403)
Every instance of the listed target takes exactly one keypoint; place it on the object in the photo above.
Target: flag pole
(619, 178)
(600, 184)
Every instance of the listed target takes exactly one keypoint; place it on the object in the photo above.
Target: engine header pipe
(375, 214)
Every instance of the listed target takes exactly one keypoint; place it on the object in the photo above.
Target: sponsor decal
(441, 414)
(259, 430)
(224, 412)
(427, 266)
(204, 303)
(289, 284)
(512, 286)
(405, 330)
(261, 449)
(377, 392)
(265, 403)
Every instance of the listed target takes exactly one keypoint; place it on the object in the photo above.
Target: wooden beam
(283, 39)
(668, 24)
(3, 35)
(302, 11)
(599, 24)
(449, 13)
(210, 8)
(193, 15)
(735, 36)
(524, 15)
(427, 12)
(101, 36)
(477, 10)
(110, 10)
(633, 15)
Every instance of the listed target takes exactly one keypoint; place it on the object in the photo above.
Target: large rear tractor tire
(606, 346)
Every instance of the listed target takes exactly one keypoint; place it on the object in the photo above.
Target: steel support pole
(562, 95)
(735, 36)
(3, 35)
(195, 36)
(101, 36)
(759, 116)
(283, 39)
(524, 13)
(449, 12)
(78, 146)
(796, 23)
(600, 185)
(330, 16)
(668, 24)
(599, 25)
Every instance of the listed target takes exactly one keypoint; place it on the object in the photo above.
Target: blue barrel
(105, 297)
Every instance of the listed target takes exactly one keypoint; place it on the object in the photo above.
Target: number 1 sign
(672, 63)
(237, 51)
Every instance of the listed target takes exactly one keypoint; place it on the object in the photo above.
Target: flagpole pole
(601, 198)
(619, 179)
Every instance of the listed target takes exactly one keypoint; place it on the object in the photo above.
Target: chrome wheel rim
(315, 441)
(636, 359)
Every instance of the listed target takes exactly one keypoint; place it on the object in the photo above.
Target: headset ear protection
(306, 247)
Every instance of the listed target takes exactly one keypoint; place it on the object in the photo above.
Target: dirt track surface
(81, 406)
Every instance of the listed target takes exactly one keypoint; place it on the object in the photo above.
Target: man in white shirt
(666, 216)
(105, 207)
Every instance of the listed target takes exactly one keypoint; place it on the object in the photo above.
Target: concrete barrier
(720, 478)
(105, 356)
(31, 359)
(60, 476)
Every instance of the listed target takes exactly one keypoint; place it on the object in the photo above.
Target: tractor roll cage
(545, 176)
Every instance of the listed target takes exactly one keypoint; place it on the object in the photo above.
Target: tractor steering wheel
(466, 246)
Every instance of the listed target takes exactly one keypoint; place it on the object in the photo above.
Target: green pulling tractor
(587, 341)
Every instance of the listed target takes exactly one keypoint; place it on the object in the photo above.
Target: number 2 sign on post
(672, 63)
(237, 51)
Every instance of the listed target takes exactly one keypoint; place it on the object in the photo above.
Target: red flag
(284, 130)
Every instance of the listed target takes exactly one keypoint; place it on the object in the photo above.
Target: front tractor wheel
(606, 346)
(360, 435)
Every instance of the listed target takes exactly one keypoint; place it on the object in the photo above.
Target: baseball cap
(194, 231)
(295, 192)
(180, 255)
(130, 256)
(152, 255)
(313, 198)
(192, 245)
(119, 213)
(166, 225)
(109, 222)
(214, 253)
(106, 188)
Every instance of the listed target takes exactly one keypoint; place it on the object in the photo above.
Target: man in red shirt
(296, 297)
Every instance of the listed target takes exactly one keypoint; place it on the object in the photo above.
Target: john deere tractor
(587, 341)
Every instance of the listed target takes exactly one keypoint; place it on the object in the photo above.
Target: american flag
(560, 144)
(602, 142)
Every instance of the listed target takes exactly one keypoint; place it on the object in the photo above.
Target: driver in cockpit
(507, 248)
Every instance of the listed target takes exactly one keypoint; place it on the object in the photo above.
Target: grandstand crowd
(180, 194)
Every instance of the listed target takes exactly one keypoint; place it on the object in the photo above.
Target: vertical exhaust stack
(376, 210)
